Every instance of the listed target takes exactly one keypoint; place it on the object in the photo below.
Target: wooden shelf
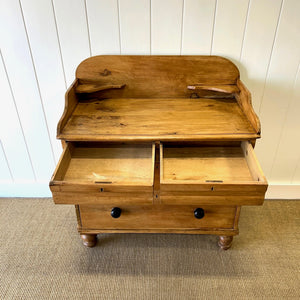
(157, 119)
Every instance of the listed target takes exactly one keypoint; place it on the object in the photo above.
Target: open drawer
(216, 175)
(104, 174)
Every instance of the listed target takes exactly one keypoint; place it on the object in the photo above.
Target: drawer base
(225, 241)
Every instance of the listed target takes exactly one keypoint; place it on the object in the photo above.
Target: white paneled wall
(42, 42)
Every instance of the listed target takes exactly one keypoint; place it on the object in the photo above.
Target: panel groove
(245, 29)
(119, 25)
(37, 83)
(285, 119)
(6, 160)
(18, 115)
(103, 26)
(278, 98)
(59, 46)
(297, 164)
(213, 29)
(88, 27)
(150, 45)
(270, 58)
(181, 38)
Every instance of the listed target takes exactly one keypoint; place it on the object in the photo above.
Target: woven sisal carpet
(42, 257)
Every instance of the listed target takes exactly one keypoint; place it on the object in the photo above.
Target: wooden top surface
(157, 119)
(155, 76)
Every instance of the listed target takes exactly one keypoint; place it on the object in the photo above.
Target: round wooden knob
(199, 213)
(116, 212)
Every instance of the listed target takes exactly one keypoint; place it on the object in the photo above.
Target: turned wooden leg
(89, 240)
(225, 242)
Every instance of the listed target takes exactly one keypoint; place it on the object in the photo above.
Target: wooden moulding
(245, 102)
(217, 231)
(71, 101)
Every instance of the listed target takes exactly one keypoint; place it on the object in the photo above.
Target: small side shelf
(216, 175)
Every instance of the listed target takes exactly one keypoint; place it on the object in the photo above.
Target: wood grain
(158, 137)
(89, 240)
(226, 89)
(111, 165)
(252, 162)
(245, 102)
(157, 217)
(104, 174)
(225, 242)
(204, 164)
(70, 104)
(223, 232)
(211, 175)
(156, 76)
(94, 87)
(157, 119)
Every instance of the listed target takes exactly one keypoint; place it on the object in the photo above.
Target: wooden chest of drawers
(160, 144)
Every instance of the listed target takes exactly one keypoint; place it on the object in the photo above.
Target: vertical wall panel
(288, 153)
(279, 83)
(11, 133)
(198, 21)
(42, 43)
(134, 26)
(40, 25)
(166, 26)
(5, 175)
(73, 34)
(257, 47)
(229, 27)
(103, 26)
(21, 73)
(296, 175)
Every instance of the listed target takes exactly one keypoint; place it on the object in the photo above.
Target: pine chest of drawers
(158, 144)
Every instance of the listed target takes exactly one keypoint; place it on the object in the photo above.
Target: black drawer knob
(199, 213)
(116, 212)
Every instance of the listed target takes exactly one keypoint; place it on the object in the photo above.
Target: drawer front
(157, 217)
(104, 173)
(211, 175)
(112, 198)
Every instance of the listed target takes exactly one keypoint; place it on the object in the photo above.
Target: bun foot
(89, 240)
(225, 242)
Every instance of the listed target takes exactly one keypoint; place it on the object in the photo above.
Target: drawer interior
(189, 175)
(209, 164)
(115, 164)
